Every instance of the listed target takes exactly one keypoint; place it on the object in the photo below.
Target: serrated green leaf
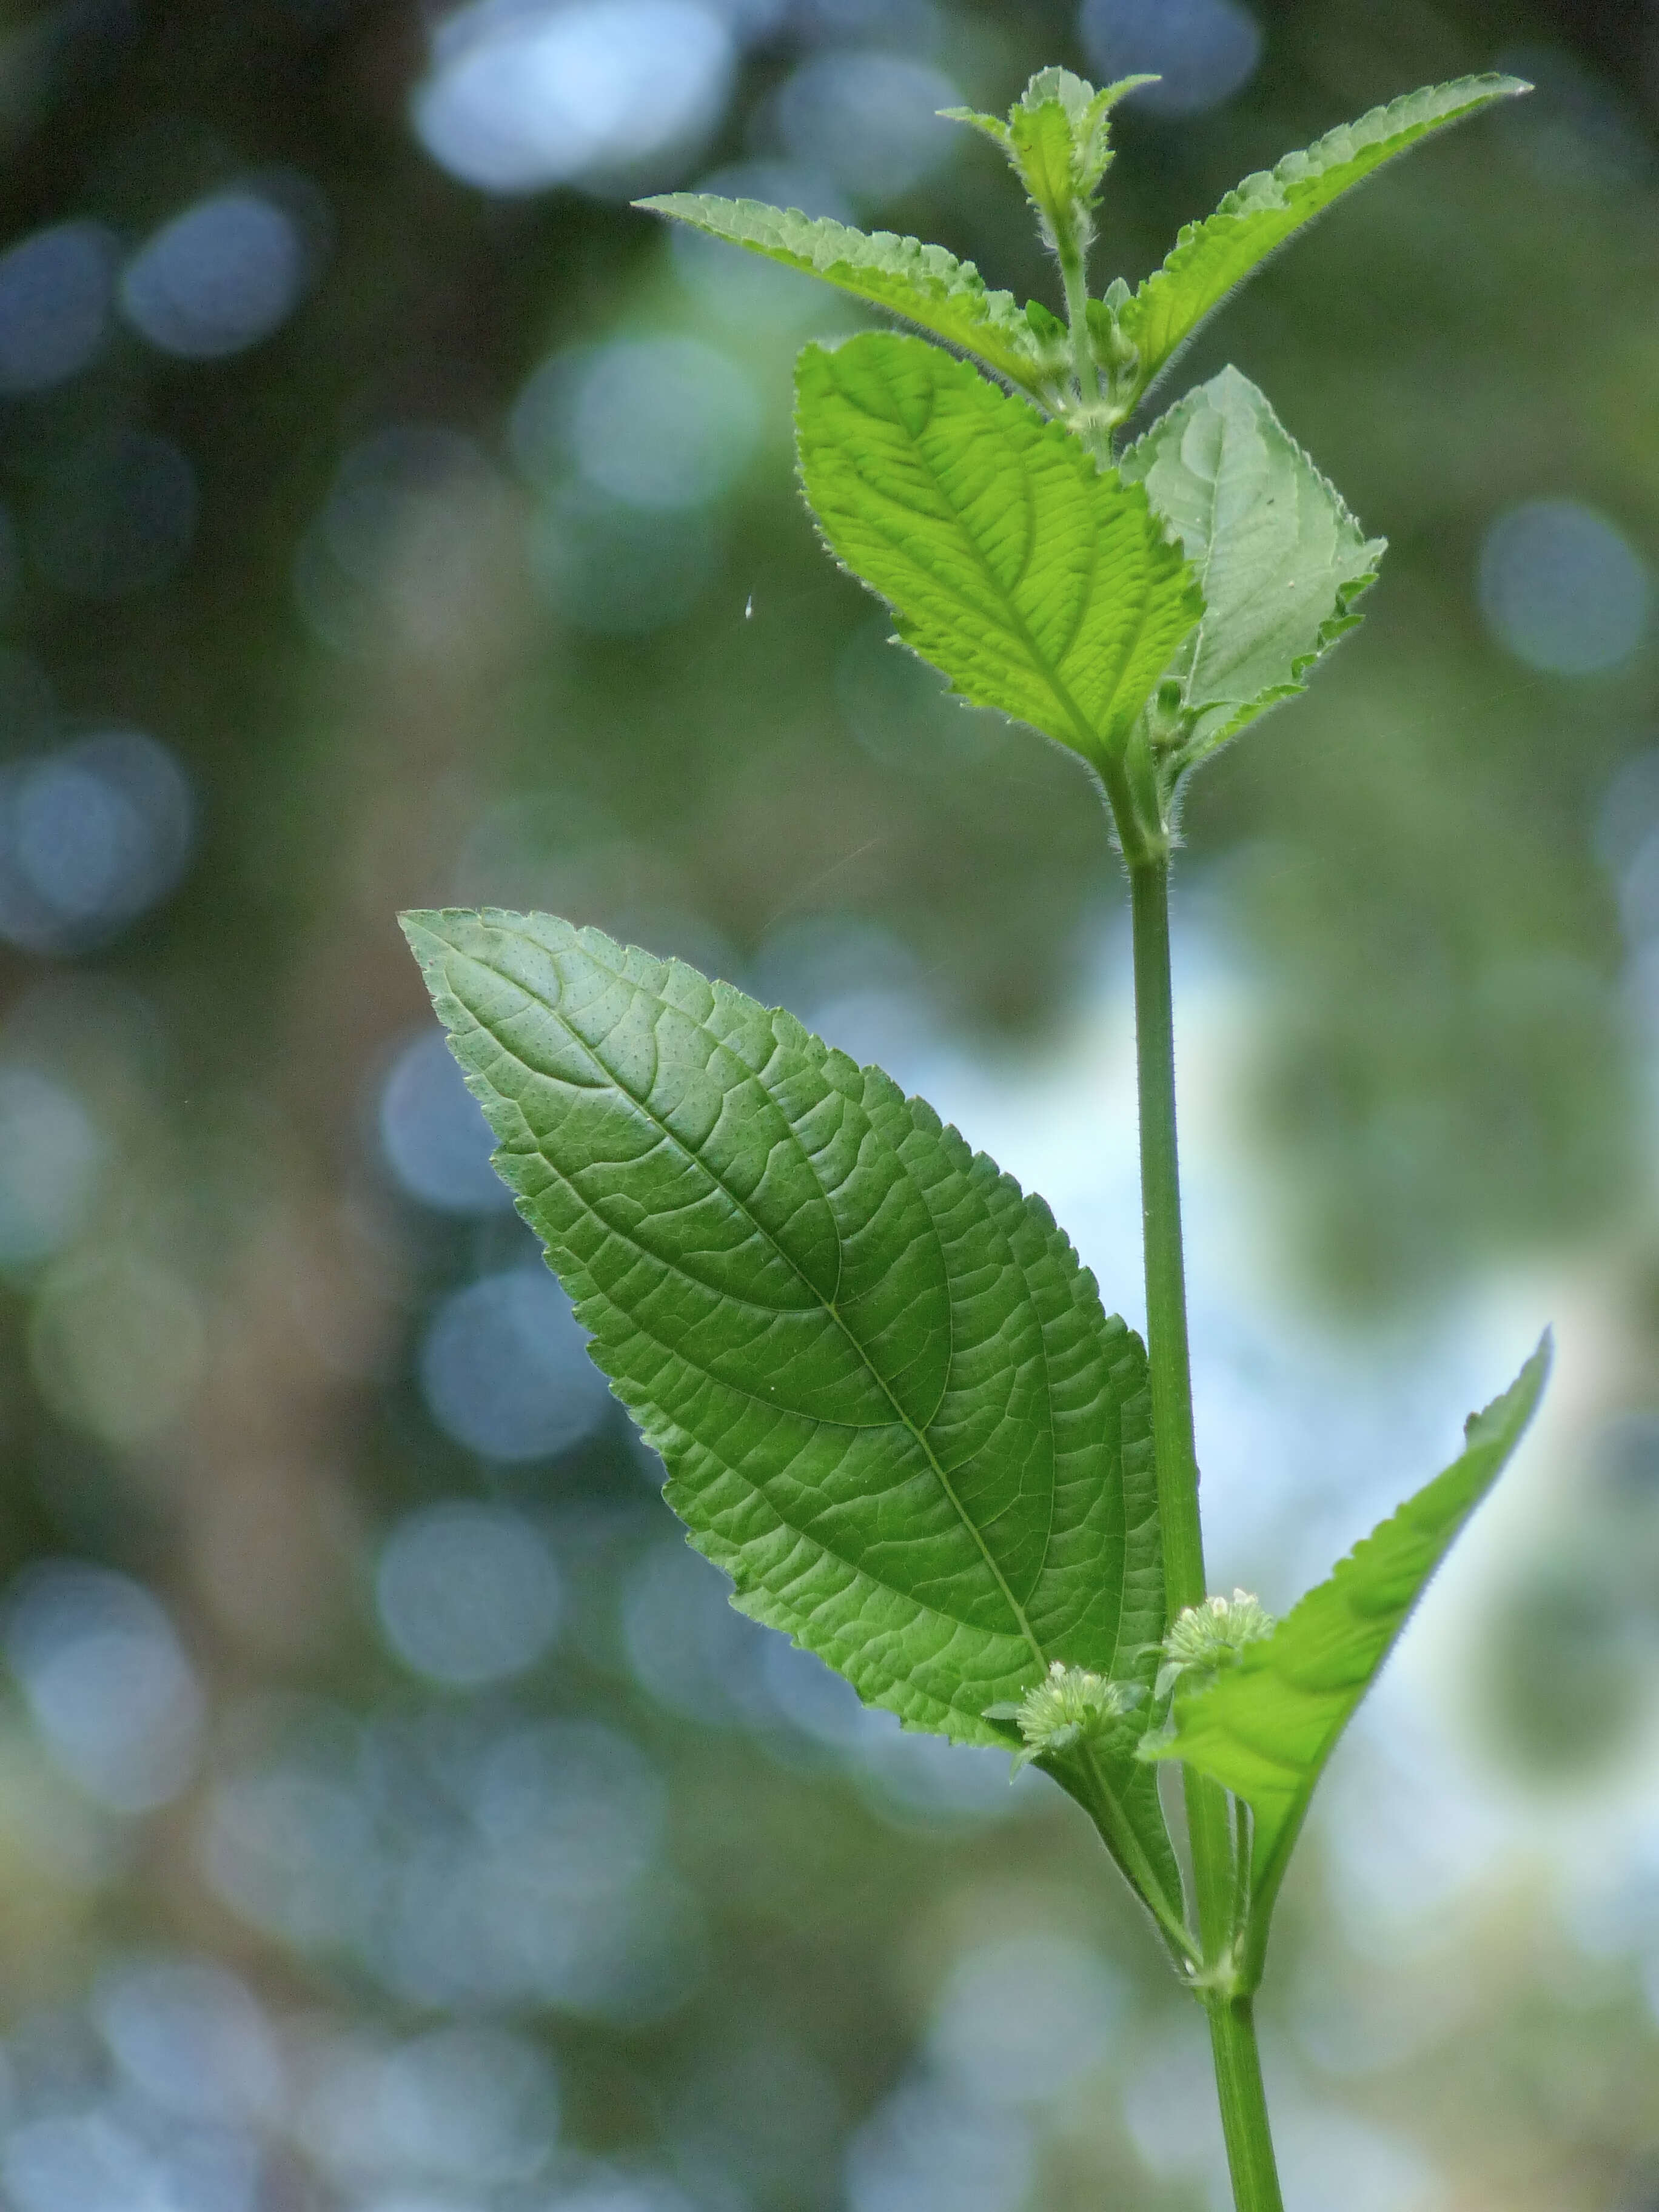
(1279, 557)
(1265, 1729)
(923, 283)
(1040, 584)
(888, 1400)
(1210, 257)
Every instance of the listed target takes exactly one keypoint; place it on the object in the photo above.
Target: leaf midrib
(828, 1305)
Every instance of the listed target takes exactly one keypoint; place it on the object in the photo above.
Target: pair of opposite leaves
(890, 1403)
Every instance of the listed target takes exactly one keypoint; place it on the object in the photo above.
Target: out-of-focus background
(393, 1816)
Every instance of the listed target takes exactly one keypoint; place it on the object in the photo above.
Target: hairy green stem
(1238, 2076)
(1074, 276)
(1072, 253)
(1243, 2106)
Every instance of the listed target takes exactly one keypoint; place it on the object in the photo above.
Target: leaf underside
(925, 284)
(1265, 1729)
(1279, 557)
(1040, 584)
(1210, 257)
(889, 1401)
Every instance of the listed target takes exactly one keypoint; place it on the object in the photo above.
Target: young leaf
(1039, 583)
(1057, 136)
(1266, 1728)
(1210, 257)
(1279, 557)
(923, 283)
(889, 1404)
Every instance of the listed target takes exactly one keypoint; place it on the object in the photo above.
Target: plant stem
(1074, 276)
(1166, 1273)
(1071, 251)
(1243, 2106)
(1238, 2075)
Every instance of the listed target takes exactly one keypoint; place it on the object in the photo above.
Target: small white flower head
(1207, 1637)
(1070, 1706)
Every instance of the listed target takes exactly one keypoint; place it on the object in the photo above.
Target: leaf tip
(1537, 1369)
(1507, 1418)
(1110, 94)
(434, 922)
(420, 926)
(433, 934)
(1535, 1373)
(992, 125)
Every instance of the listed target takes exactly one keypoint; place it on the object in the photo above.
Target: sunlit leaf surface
(923, 283)
(1040, 584)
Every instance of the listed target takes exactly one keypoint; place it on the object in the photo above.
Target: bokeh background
(393, 1816)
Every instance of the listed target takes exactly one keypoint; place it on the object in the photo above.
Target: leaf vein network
(690, 1153)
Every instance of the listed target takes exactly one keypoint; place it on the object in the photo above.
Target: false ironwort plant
(890, 1403)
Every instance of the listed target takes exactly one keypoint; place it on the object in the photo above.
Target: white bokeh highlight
(522, 94)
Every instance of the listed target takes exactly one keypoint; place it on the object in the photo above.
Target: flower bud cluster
(1207, 1637)
(1069, 1707)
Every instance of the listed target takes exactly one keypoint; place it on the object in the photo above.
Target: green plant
(888, 1398)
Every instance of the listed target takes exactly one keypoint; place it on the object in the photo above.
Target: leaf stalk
(1120, 1840)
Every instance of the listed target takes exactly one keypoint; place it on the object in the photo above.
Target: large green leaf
(1279, 557)
(889, 1404)
(1041, 584)
(1209, 258)
(923, 283)
(1264, 1727)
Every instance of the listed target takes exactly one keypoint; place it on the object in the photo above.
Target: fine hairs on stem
(889, 1399)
